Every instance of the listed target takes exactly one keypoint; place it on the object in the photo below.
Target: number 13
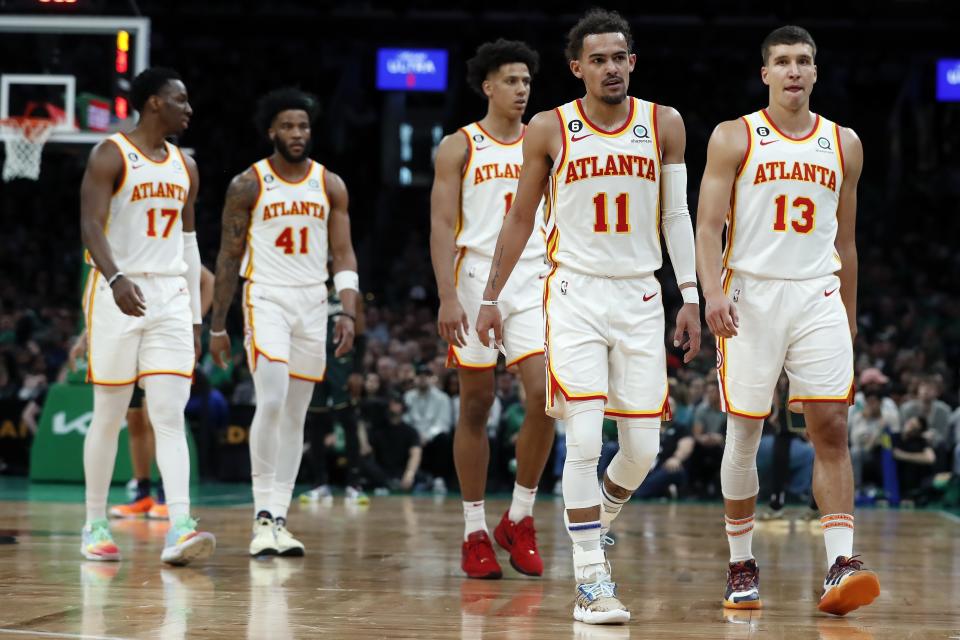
(803, 224)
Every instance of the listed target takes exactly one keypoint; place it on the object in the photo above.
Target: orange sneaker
(158, 512)
(477, 558)
(135, 509)
(847, 587)
(520, 539)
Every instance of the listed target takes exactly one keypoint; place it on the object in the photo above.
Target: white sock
(100, 446)
(290, 447)
(522, 504)
(740, 537)
(611, 506)
(837, 536)
(588, 558)
(270, 380)
(474, 518)
(167, 398)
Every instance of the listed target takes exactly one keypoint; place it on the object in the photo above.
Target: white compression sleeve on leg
(738, 468)
(100, 445)
(639, 445)
(584, 425)
(676, 223)
(271, 380)
(290, 445)
(167, 397)
(191, 255)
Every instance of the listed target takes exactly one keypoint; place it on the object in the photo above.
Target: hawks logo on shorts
(287, 240)
(783, 220)
(144, 228)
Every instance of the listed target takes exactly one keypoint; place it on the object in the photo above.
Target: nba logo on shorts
(736, 295)
(563, 287)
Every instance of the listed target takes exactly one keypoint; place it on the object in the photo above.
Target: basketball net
(23, 140)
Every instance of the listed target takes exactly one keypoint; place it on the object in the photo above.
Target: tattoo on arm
(240, 198)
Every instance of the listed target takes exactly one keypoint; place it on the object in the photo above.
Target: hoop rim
(30, 128)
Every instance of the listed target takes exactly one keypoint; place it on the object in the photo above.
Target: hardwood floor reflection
(392, 571)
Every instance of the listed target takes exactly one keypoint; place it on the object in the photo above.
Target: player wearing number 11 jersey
(279, 219)
(783, 296)
(613, 169)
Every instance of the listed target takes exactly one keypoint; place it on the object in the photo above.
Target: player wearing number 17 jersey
(142, 304)
(783, 296)
(279, 219)
(613, 168)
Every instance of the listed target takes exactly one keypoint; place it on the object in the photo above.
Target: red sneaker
(520, 539)
(477, 558)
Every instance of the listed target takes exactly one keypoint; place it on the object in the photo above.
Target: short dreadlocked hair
(491, 56)
(594, 22)
(150, 82)
(281, 100)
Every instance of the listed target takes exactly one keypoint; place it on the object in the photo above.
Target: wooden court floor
(391, 570)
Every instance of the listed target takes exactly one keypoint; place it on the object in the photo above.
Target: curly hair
(148, 83)
(596, 21)
(491, 56)
(281, 100)
(790, 34)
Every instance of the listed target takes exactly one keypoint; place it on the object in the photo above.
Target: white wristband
(346, 280)
(114, 278)
(488, 303)
(690, 295)
(217, 334)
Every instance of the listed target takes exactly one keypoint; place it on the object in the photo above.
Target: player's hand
(488, 319)
(721, 315)
(452, 323)
(128, 297)
(343, 335)
(77, 349)
(220, 350)
(688, 324)
(196, 340)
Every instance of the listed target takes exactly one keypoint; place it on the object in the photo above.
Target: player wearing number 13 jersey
(279, 219)
(783, 296)
(613, 169)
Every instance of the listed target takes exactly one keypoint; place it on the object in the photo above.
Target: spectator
(676, 447)
(914, 455)
(785, 455)
(873, 380)
(709, 427)
(935, 411)
(396, 450)
(867, 426)
(428, 408)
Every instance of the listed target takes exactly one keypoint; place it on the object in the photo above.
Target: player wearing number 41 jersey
(142, 304)
(613, 169)
(279, 219)
(783, 296)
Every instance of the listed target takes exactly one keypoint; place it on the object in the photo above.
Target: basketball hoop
(23, 140)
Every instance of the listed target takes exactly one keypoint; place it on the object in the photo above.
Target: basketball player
(279, 217)
(137, 222)
(785, 182)
(475, 180)
(613, 167)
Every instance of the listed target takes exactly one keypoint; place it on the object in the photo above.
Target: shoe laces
(185, 523)
(607, 541)
(602, 588)
(480, 547)
(844, 565)
(742, 576)
(525, 535)
(100, 531)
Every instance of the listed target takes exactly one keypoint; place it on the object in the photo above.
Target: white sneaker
(321, 494)
(264, 540)
(287, 545)
(439, 487)
(597, 603)
(354, 496)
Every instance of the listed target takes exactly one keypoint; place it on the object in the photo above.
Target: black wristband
(344, 313)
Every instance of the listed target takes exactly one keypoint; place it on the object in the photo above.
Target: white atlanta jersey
(605, 194)
(144, 227)
(287, 238)
(489, 185)
(783, 216)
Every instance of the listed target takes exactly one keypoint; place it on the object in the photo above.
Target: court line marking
(949, 516)
(54, 634)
